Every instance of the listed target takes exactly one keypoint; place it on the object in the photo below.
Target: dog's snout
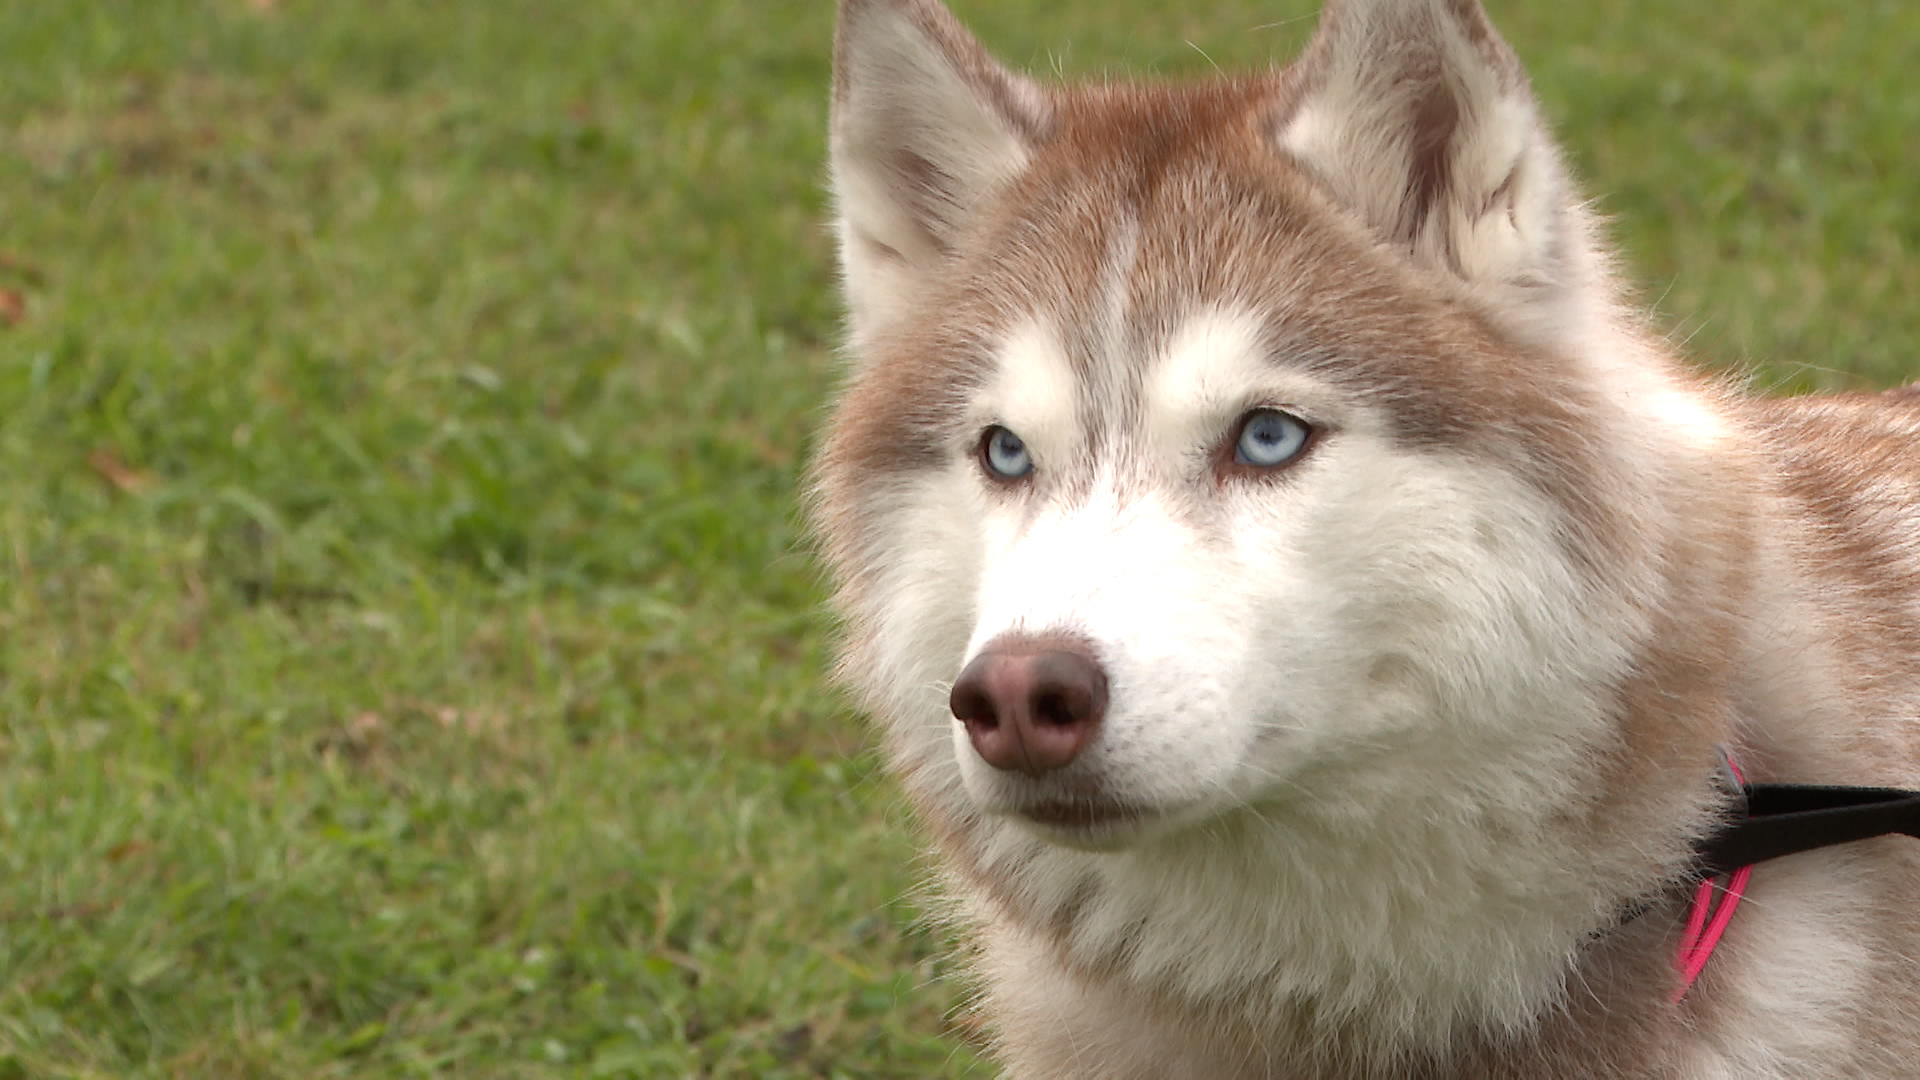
(1031, 705)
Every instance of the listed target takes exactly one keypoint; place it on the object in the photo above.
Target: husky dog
(1306, 602)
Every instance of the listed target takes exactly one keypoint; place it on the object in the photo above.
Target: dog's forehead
(1152, 213)
(1144, 206)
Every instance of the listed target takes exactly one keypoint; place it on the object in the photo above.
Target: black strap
(1787, 819)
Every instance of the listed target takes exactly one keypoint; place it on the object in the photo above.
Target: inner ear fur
(925, 126)
(1419, 117)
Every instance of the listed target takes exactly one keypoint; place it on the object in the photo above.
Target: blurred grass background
(409, 663)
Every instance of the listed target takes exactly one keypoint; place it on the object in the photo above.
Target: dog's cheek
(1177, 734)
(918, 611)
(1458, 618)
(1383, 584)
(1274, 566)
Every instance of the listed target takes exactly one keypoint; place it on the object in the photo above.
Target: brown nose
(1030, 705)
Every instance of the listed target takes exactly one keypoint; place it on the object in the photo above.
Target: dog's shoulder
(1846, 480)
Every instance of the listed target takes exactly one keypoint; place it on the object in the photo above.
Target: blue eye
(1003, 454)
(1270, 438)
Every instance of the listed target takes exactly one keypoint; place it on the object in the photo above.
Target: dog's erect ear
(925, 125)
(1419, 117)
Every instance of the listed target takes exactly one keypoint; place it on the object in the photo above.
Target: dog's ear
(1419, 117)
(925, 125)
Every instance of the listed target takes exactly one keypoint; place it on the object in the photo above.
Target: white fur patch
(1034, 393)
(1215, 368)
(1626, 371)
(1211, 366)
(1796, 966)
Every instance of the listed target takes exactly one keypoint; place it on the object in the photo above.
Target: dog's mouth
(1088, 823)
(1079, 814)
(1077, 811)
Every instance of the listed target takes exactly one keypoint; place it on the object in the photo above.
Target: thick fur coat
(1404, 743)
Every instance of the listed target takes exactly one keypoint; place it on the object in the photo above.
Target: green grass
(409, 663)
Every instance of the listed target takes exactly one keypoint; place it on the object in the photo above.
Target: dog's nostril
(1030, 705)
(1051, 708)
(971, 704)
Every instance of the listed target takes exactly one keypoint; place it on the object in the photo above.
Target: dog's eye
(1269, 438)
(1003, 455)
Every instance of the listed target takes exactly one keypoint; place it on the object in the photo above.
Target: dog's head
(1217, 446)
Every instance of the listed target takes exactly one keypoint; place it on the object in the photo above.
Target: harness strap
(1787, 819)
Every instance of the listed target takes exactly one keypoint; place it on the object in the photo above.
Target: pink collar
(1707, 921)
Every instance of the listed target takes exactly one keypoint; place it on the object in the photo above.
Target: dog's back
(1308, 605)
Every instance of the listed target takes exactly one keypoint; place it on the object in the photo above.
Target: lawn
(410, 662)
